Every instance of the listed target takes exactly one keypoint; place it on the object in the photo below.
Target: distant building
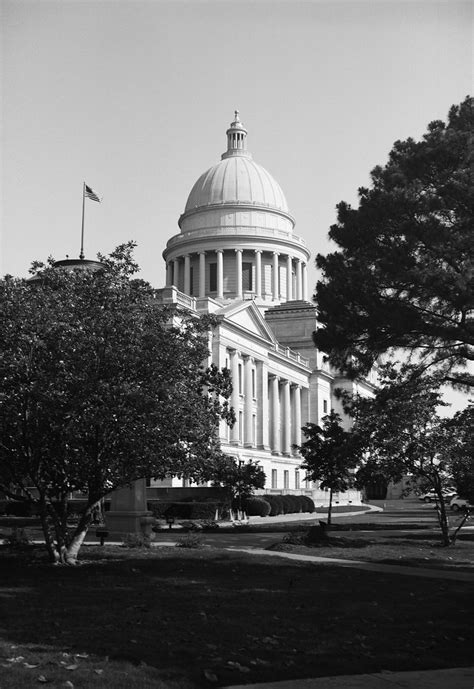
(237, 257)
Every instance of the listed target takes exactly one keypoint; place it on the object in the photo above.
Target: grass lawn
(417, 550)
(170, 617)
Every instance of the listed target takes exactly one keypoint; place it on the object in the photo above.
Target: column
(248, 401)
(275, 423)
(286, 418)
(289, 278)
(169, 274)
(299, 291)
(187, 274)
(238, 272)
(234, 400)
(258, 273)
(275, 276)
(297, 416)
(176, 273)
(220, 273)
(262, 406)
(202, 274)
(305, 282)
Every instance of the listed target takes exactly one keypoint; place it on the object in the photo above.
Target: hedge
(184, 510)
(256, 507)
(276, 504)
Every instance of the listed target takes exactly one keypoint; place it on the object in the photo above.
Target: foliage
(462, 452)
(256, 507)
(240, 478)
(402, 432)
(18, 538)
(134, 540)
(192, 510)
(100, 386)
(403, 274)
(276, 505)
(330, 455)
(191, 540)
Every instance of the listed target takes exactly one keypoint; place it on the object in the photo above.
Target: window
(297, 478)
(247, 277)
(240, 380)
(325, 406)
(274, 478)
(286, 479)
(254, 390)
(213, 277)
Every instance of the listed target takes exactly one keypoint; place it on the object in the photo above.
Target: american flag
(90, 193)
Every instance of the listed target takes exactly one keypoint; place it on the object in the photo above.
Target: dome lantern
(236, 139)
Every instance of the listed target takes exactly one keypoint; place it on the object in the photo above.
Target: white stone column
(286, 418)
(275, 291)
(220, 273)
(289, 278)
(299, 290)
(262, 406)
(238, 272)
(235, 399)
(169, 274)
(187, 274)
(176, 273)
(297, 415)
(305, 282)
(258, 273)
(275, 428)
(202, 274)
(248, 401)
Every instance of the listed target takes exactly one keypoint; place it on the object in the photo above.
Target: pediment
(246, 316)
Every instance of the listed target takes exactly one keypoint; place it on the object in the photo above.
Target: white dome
(236, 180)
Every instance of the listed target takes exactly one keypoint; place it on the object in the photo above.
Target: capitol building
(238, 257)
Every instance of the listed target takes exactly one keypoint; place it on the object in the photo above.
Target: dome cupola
(236, 139)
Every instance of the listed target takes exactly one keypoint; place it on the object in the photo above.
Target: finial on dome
(236, 113)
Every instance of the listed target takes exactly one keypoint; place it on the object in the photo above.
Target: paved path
(364, 564)
(452, 678)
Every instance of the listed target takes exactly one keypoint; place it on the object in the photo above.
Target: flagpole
(81, 255)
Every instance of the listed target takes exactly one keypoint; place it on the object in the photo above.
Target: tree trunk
(330, 507)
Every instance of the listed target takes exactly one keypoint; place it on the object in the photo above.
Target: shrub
(308, 504)
(17, 538)
(256, 507)
(290, 504)
(276, 504)
(134, 540)
(192, 540)
(20, 508)
(184, 510)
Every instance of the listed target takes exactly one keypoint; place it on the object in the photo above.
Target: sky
(134, 97)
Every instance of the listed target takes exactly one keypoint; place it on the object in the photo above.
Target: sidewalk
(453, 678)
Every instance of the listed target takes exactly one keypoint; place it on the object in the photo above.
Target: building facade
(237, 256)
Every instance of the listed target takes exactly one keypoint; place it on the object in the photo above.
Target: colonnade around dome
(239, 273)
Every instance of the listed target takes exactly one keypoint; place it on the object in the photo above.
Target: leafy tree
(403, 274)
(100, 386)
(462, 452)
(330, 454)
(240, 478)
(403, 434)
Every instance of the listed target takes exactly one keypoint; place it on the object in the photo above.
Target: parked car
(458, 504)
(430, 496)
